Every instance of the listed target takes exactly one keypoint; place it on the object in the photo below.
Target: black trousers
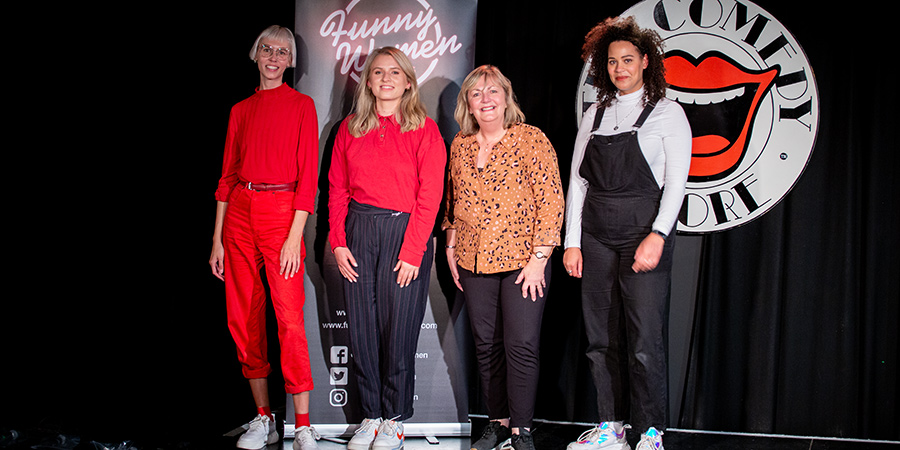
(619, 307)
(384, 318)
(507, 333)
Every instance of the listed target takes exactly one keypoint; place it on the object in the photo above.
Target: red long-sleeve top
(273, 138)
(390, 170)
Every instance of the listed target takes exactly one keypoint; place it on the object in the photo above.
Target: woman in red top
(386, 183)
(264, 197)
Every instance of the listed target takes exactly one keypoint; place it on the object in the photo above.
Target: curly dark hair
(647, 41)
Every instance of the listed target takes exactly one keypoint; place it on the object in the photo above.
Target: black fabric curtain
(796, 319)
(797, 313)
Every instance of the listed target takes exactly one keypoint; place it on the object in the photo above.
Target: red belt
(263, 187)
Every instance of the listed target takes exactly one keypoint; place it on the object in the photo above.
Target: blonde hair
(467, 123)
(412, 110)
(277, 33)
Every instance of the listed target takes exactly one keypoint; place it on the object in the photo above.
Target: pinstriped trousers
(384, 319)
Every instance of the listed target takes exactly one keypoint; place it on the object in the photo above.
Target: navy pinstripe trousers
(384, 319)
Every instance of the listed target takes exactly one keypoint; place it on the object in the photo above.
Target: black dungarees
(621, 204)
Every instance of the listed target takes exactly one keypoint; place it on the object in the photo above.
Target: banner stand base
(430, 431)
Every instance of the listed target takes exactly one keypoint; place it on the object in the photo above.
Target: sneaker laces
(307, 433)
(594, 434)
(258, 422)
(367, 425)
(491, 428)
(388, 427)
(590, 435)
(652, 439)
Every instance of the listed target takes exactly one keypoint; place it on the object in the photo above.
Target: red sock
(265, 411)
(301, 420)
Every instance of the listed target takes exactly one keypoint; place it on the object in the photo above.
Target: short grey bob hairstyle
(277, 33)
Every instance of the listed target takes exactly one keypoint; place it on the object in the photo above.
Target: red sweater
(391, 170)
(273, 138)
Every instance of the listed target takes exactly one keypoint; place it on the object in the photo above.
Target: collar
(505, 141)
(632, 98)
(392, 119)
(274, 91)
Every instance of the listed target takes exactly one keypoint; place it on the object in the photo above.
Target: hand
(573, 261)
(531, 277)
(346, 262)
(406, 273)
(647, 255)
(290, 259)
(217, 260)
(454, 269)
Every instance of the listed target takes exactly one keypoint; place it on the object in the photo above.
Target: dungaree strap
(637, 124)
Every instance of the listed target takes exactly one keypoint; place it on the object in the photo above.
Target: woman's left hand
(647, 255)
(531, 277)
(406, 273)
(290, 260)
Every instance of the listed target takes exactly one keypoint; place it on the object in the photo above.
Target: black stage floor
(548, 436)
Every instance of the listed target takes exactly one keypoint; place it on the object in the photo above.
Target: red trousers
(255, 228)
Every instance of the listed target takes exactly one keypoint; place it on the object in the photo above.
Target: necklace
(485, 145)
(616, 111)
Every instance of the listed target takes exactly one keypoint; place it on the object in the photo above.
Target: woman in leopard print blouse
(505, 210)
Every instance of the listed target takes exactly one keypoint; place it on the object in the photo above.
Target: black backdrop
(113, 325)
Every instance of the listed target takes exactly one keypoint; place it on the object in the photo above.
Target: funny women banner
(334, 37)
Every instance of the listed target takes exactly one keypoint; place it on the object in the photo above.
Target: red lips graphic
(721, 129)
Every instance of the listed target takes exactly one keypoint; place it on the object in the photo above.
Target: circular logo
(750, 96)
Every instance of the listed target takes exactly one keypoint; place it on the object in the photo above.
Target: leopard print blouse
(514, 204)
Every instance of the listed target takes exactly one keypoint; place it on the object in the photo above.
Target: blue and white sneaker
(606, 436)
(364, 435)
(651, 440)
(390, 436)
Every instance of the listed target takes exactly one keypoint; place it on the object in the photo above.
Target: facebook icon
(339, 354)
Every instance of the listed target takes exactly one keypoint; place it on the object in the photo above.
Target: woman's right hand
(454, 270)
(573, 262)
(217, 260)
(217, 256)
(346, 262)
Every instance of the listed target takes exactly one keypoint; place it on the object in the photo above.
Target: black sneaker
(493, 435)
(523, 440)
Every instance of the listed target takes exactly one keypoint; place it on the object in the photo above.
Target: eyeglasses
(280, 53)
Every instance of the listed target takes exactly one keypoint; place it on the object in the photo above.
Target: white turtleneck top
(665, 140)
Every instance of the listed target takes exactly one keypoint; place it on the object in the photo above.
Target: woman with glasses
(385, 181)
(264, 197)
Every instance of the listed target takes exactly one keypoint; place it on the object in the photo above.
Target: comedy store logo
(750, 96)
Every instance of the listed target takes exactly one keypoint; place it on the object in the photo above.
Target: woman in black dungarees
(629, 170)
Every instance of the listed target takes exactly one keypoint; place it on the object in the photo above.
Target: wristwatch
(539, 254)
(661, 234)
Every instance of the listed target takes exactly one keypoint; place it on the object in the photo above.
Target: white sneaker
(262, 432)
(390, 436)
(305, 439)
(651, 440)
(364, 435)
(606, 436)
